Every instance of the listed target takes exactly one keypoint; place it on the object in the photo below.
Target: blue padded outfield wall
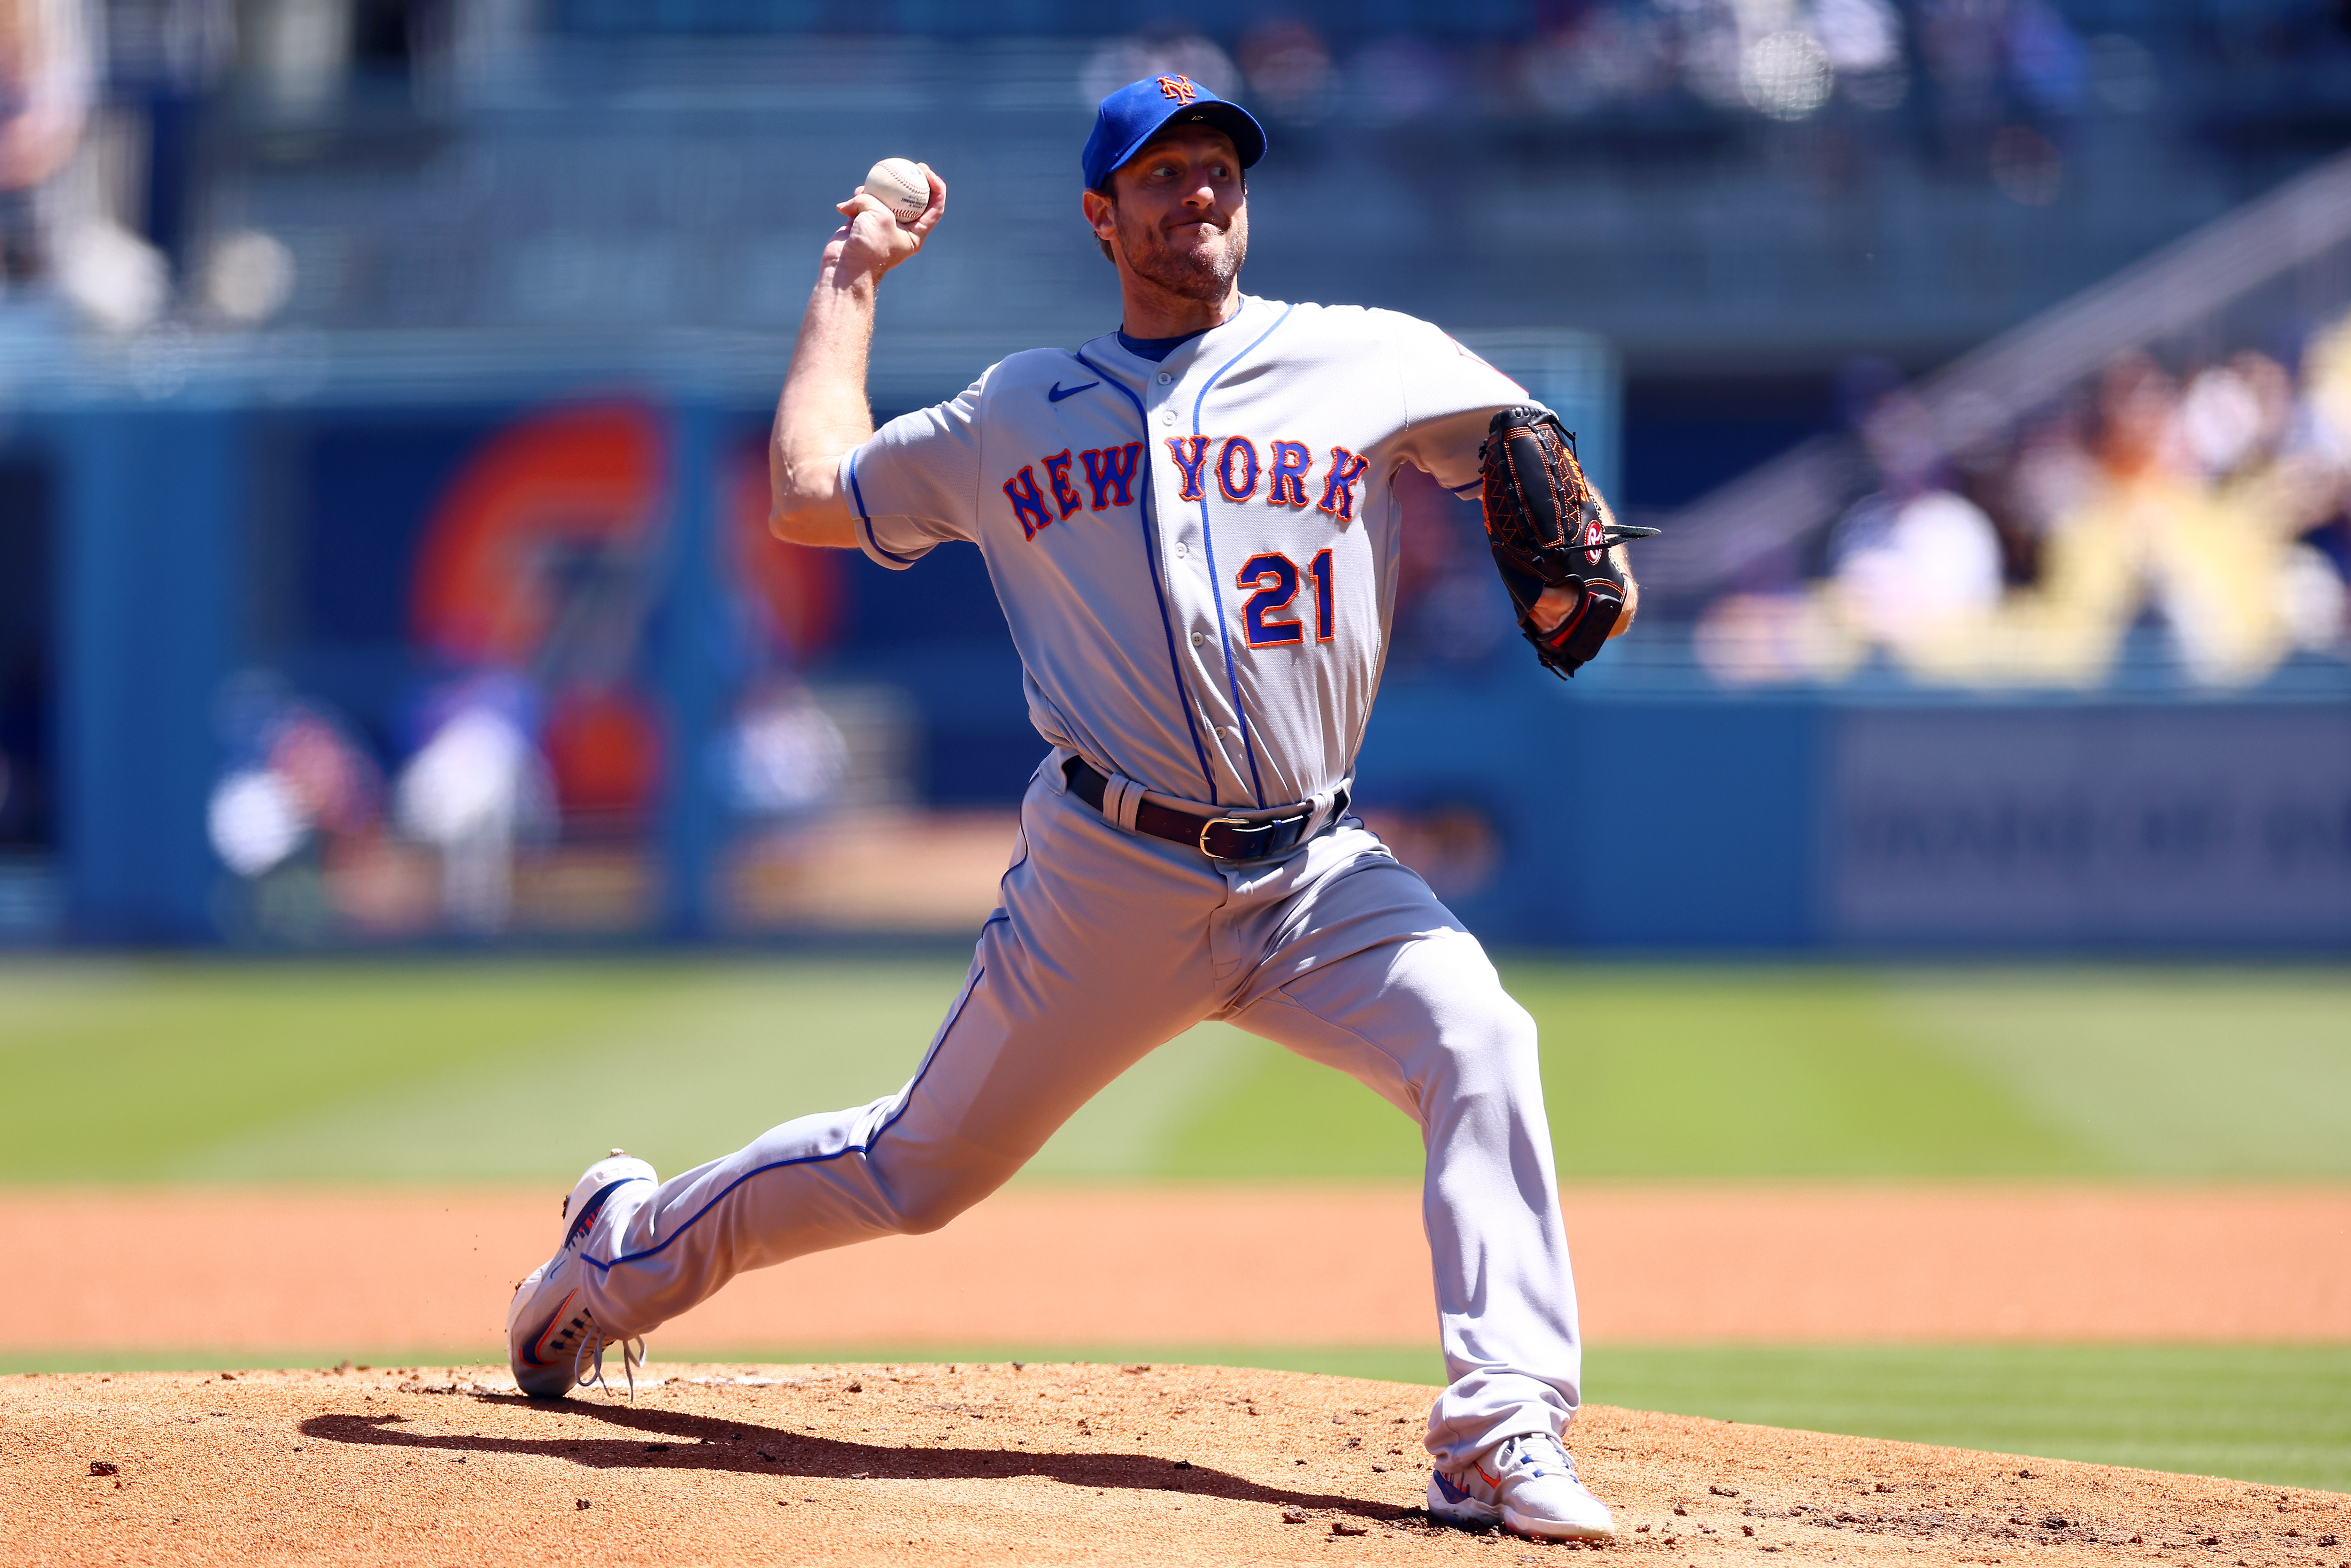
(1640, 808)
(1809, 822)
(148, 571)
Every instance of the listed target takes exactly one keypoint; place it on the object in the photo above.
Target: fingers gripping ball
(1547, 529)
(898, 185)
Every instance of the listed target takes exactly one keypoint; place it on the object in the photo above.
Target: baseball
(898, 185)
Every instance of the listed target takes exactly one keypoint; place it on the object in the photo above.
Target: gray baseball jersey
(1197, 556)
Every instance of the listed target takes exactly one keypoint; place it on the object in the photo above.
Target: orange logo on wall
(537, 560)
(586, 479)
(526, 565)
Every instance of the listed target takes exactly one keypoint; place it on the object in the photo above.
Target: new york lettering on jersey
(1286, 478)
(1224, 494)
(1110, 472)
(1236, 471)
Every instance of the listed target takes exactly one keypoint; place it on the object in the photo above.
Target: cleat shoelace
(1540, 1442)
(592, 1353)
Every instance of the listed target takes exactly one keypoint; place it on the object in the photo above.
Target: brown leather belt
(1218, 837)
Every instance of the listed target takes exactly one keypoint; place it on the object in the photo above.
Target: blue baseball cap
(1141, 109)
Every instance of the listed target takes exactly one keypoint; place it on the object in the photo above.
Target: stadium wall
(1641, 808)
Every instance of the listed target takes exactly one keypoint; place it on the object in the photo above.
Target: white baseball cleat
(1526, 1484)
(550, 1332)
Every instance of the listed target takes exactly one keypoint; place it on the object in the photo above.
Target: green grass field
(410, 1071)
(406, 1071)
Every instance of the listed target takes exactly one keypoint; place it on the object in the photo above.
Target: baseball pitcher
(1190, 525)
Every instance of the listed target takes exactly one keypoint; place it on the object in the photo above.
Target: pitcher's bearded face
(1182, 213)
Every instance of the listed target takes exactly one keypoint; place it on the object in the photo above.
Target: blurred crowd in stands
(2209, 502)
(109, 108)
(520, 768)
(1787, 59)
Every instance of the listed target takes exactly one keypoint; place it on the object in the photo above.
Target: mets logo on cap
(1180, 89)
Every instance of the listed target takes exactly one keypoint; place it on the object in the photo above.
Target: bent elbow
(805, 506)
(784, 519)
(804, 523)
(818, 520)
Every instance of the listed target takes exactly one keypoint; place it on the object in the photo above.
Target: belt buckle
(1215, 822)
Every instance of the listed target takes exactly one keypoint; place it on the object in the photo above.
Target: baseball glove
(1548, 530)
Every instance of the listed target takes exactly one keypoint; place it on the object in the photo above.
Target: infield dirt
(274, 1274)
(1010, 1464)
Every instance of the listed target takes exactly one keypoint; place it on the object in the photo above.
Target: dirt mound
(1008, 1464)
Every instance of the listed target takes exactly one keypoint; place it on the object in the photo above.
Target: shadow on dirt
(667, 1439)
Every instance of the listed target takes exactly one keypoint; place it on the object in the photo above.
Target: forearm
(822, 413)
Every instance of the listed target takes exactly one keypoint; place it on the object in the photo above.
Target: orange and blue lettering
(1319, 569)
(1110, 472)
(1290, 461)
(1057, 475)
(1027, 504)
(1338, 486)
(1191, 454)
(1237, 468)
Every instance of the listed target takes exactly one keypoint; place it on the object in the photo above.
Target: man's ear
(1100, 218)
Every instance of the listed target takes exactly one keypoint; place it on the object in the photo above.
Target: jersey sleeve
(1449, 397)
(914, 483)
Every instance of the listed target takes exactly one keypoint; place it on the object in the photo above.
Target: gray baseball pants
(1106, 945)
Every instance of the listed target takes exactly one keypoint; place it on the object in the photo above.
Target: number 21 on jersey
(1275, 579)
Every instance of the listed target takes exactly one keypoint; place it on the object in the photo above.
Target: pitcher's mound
(1008, 1464)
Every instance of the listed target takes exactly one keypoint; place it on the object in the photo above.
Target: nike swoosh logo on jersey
(1060, 391)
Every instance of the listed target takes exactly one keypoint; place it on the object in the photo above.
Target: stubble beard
(1188, 275)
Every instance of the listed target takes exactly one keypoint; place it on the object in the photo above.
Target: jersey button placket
(1184, 591)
